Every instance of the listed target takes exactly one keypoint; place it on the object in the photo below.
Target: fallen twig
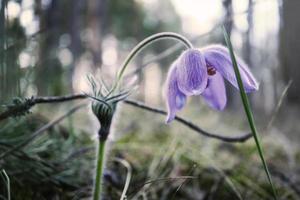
(57, 99)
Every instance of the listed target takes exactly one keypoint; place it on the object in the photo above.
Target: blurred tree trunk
(247, 46)
(97, 10)
(247, 51)
(228, 24)
(290, 47)
(228, 18)
(76, 26)
(49, 70)
(2, 48)
(9, 52)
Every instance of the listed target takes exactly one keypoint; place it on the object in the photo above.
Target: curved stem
(143, 44)
(99, 170)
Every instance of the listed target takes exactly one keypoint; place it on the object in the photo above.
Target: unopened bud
(104, 113)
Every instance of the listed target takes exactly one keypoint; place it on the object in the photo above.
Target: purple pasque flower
(202, 72)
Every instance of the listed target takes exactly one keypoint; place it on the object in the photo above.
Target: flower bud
(104, 111)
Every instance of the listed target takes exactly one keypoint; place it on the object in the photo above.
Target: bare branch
(191, 125)
(59, 99)
(187, 123)
(38, 100)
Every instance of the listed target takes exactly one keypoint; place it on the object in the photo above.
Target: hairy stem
(99, 169)
(143, 44)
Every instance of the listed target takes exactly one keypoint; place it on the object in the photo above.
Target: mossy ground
(173, 161)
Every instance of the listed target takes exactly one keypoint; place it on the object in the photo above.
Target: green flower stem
(249, 112)
(143, 44)
(99, 169)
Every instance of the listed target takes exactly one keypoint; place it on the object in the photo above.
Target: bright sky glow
(240, 6)
(266, 20)
(198, 16)
(24, 60)
(65, 56)
(153, 85)
(13, 9)
(26, 4)
(110, 53)
(26, 17)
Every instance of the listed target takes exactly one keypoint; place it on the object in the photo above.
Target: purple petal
(218, 57)
(215, 93)
(191, 72)
(175, 98)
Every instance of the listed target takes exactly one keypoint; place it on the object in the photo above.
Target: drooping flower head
(202, 72)
(193, 73)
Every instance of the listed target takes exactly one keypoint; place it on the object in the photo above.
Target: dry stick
(279, 104)
(183, 182)
(136, 190)
(178, 188)
(38, 100)
(58, 99)
(191, 125)
(42, 129)
(128, 176)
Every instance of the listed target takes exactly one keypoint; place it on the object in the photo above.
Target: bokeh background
(48, 47)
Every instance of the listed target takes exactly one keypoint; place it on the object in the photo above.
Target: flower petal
(191, 72)
(215, 93)
(218, 57)
(175, 99)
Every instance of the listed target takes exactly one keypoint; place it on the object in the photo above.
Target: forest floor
(167, 161)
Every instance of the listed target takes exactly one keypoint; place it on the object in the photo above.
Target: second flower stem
(99, 169)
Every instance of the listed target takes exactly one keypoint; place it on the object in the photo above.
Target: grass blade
(7, 182)
(248, 111)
